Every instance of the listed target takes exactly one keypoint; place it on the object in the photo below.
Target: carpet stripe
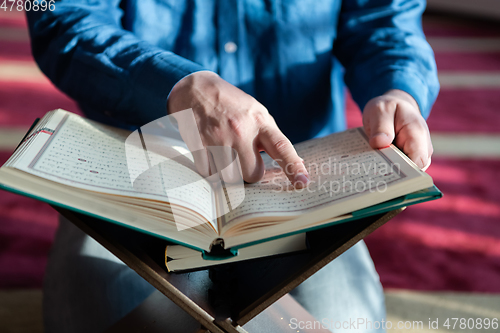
(20, 71)
(444, 238)
(14, 51)
(22, 102)
(452, 26)
(466, 111)
(457, 44)
(10, 137)
(13, 34)
(466, 145)
(477, 61)
(455, 80)
(484, 208)
(12, 19)
(411, 306)
(19, 15)
(479, 8)
(476, 304)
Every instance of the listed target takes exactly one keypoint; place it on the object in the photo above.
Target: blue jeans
(87, 289)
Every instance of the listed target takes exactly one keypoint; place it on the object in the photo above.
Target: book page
(81, 153)
(341, 166)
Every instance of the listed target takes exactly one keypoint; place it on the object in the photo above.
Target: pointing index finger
(277, 145)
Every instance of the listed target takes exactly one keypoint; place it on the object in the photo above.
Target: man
(256, 73)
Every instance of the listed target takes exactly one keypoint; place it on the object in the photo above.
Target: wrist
(178, 98)
(397, 93)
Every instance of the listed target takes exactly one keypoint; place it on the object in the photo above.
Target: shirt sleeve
(84, 50)
(381, 45)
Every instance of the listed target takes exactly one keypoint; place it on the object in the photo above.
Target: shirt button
(230, 47)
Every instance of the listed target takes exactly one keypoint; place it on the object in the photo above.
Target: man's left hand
(396, 115)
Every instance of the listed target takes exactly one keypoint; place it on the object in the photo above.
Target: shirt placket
(227, 20)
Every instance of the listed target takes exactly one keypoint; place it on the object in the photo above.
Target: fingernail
(301, 180)
(379, 133)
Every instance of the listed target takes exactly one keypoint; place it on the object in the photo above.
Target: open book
(82, 165)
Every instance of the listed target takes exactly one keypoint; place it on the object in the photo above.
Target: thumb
(379, 124)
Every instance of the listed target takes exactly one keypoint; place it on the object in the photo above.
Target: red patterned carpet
(450, 244)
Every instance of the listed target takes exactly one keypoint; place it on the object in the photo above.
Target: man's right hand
(227, 116)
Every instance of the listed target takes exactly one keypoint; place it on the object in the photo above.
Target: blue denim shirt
(120, 59)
